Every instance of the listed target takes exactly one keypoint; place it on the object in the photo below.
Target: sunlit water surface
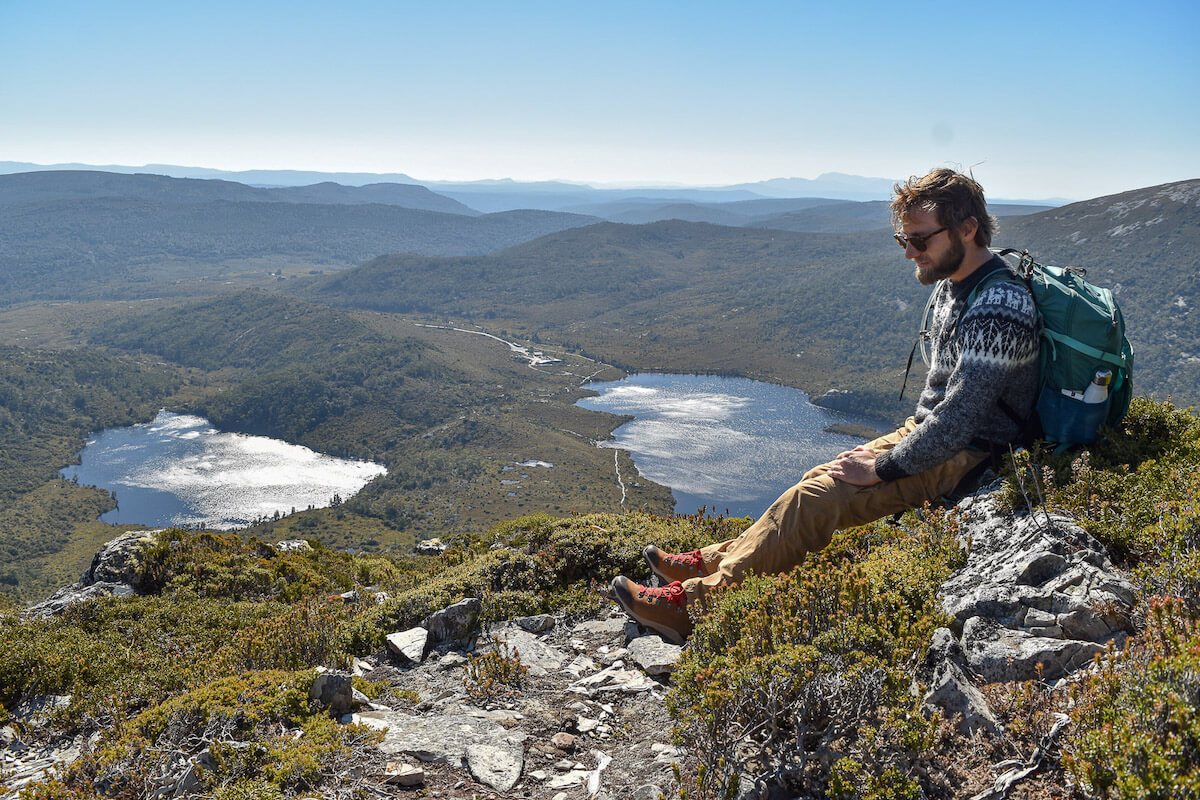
(179, 470)
(720, 442)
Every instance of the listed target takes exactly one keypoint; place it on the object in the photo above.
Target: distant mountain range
(30, 187)
(73, 234)
(506, 194)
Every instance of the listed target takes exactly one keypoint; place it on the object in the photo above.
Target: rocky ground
(1038, 598)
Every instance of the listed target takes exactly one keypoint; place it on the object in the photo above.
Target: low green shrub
(782, 673)
(495, 673)
(1136, 731)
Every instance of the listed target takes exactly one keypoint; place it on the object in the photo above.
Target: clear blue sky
(1041, 99)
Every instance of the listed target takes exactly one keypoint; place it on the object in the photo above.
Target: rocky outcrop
(1036, 589)
(115, 570)
(1037, 599)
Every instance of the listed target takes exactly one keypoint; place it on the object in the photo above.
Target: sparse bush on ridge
(1137, 719)
(784, 672)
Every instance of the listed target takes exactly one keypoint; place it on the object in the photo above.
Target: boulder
(1036, 589)
(654, 655)
(431, 547)
(536, 624)
(408, 646)
(336, 690)
(116, 570)
(293, 546)
(454, 625)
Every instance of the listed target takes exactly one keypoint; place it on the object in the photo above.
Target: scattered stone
(536, 624)
(563, 741)
(454, 625)
(489, 749)
(293, 546)
(404, 774)
(336, 690)
(667, 754)
(451, 660)
(408, 646)
(612, 679)
(601, 627)
(586, 725)
(610, 657)
(581, 664)
(497, 766)
(576, 777)
(431, 547)
(654, 655)
(647, 791)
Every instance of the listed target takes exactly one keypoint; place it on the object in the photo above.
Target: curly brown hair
(952, 196)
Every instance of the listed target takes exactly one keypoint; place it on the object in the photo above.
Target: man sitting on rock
(982, 382)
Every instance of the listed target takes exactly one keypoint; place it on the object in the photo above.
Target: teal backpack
(1083, 333)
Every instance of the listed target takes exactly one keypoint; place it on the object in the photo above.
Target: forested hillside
(1145, 246)
(49, 402)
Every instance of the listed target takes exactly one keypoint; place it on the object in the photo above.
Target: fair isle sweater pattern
(981, 355)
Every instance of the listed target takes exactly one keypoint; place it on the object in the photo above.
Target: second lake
(724, 443)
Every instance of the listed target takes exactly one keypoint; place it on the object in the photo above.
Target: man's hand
(856, 467)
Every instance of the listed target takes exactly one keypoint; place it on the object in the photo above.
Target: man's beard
(944, 267)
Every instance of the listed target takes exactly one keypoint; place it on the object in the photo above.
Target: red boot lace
(673, 593)
(692, 560)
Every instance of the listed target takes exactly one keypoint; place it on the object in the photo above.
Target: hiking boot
(662, 609)
(675, 566)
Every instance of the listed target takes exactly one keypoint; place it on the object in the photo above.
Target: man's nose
(910, 251)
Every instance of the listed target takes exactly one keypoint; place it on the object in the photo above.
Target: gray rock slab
(595, 627)
(953, 692)
(654, 655)
(445, 738)
(408, 646)
(539, 623)
(1035, 589)
(497, 766)
(541, 658)
(1002, 654)
(613, 679)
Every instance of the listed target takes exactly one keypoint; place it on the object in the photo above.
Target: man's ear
(968, 229)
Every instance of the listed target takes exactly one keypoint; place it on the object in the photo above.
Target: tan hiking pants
(804, 517)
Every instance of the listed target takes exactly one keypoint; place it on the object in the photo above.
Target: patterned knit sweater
(991, 353)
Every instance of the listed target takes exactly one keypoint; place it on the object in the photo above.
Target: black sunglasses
(919, 241)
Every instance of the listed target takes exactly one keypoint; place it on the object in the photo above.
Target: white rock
(409, 645)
